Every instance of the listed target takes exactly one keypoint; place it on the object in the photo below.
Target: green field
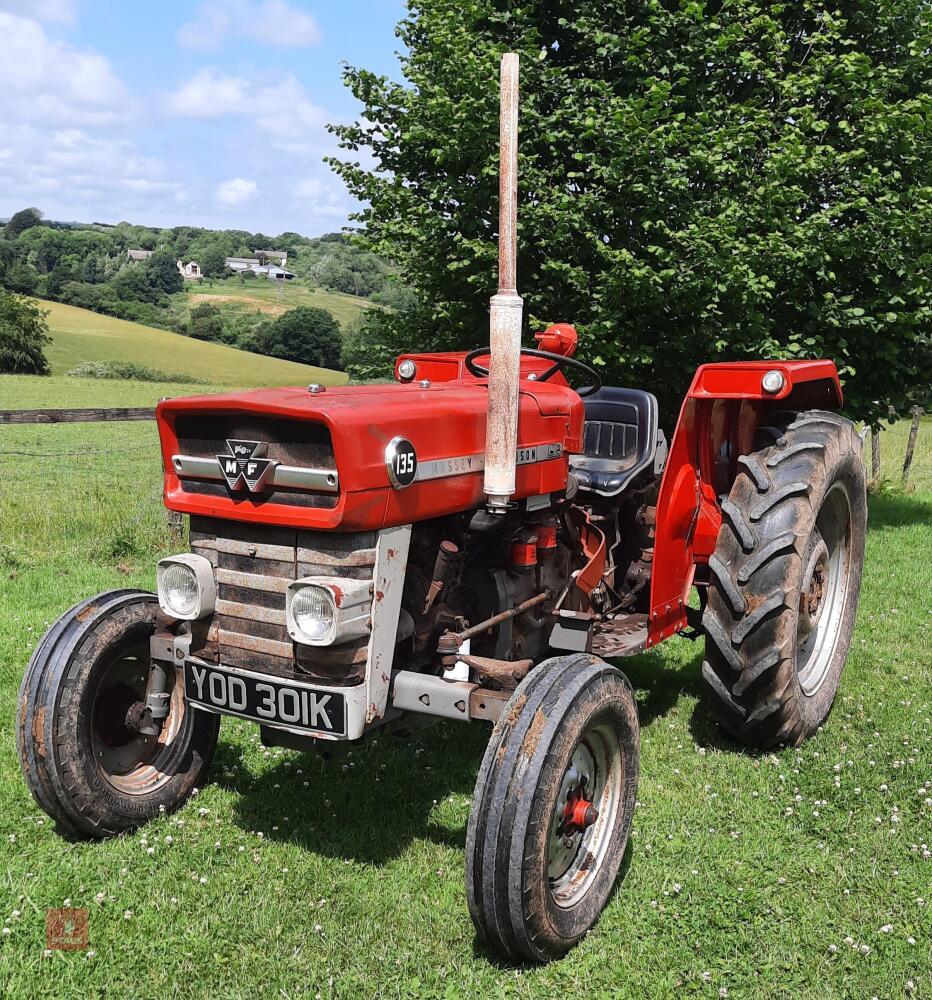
(260, 295)
(798, 874)
(80, 335)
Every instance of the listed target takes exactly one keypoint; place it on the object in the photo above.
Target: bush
(206, 323)
(310, 336)
(130, 370)
(24, 333)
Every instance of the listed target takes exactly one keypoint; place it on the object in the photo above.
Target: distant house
(274, 273)
(279, 256)
(243, 263)
(190, 271)
(139, 254)
(259, 267)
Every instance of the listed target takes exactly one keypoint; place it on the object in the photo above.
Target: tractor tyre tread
(502, 882)
(749, 668)
(51, 738)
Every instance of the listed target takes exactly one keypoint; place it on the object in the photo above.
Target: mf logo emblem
(245, 466)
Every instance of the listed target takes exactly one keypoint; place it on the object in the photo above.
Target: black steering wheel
(560, 361)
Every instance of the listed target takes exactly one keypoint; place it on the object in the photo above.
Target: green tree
(162, 268)
(56, 280)
(134, 282)
(24, 333)
(699, 181)
(212, 261)
(206, 323)
(308, 335)
(21, 221)
(20, 277)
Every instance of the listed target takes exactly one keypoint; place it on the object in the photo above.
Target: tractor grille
(290, 442)
(253, 565)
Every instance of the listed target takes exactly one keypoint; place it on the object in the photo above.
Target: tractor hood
(354, 458)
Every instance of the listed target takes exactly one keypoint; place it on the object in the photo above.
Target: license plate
(274, 702)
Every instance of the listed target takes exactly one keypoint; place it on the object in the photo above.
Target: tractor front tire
(552, 808)
(84, 763)
(785, 580)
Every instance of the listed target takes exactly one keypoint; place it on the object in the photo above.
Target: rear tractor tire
(85, 763)
(785, 580)
(552, 808)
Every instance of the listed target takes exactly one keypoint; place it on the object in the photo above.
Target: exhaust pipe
(506, 310)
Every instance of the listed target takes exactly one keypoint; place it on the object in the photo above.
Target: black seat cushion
(619, 441)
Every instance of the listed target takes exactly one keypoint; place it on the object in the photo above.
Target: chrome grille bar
(293, 476)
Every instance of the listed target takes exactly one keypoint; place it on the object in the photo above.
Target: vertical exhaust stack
(507, 308)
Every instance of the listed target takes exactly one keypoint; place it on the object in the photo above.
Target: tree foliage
(23, 336)
(699, 181)
(308, 335)
(212, 261)
(162, 268)
(206, 322)
(21, 221)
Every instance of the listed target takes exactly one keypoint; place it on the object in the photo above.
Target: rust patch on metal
(380, 596)
(86, 613)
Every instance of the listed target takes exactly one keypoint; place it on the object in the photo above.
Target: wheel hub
(813, 591)
(823, 590)
(579, 813)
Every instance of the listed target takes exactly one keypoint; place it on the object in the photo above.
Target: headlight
(325, 611)
(186, 586)
(314, 614)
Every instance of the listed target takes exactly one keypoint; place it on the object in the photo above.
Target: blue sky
(206, 113)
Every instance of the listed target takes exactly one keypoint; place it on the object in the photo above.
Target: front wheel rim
(824, 592)
(129, 762)
(585, 814)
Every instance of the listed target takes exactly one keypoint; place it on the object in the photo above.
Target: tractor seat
(619, 440)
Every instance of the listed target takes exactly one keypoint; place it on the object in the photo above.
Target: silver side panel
(462, 465)
(390, 565)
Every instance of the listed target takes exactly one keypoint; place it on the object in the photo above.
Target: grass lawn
(801, 874)
(264, 296)
(80, 335)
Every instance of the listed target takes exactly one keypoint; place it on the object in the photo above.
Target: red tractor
(474, 542)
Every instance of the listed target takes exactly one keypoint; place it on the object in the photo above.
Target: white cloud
(280, 108)
(74, 174)
(236, 191)
(43, 79)
(209, 94)
(282, 111)
(59, 11)
(270, 22)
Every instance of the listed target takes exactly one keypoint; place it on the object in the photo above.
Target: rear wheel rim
(824, 593)
(576, 851)
(131, 763)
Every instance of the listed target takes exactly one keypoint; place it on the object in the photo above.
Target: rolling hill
(233, 296)
(80, 335)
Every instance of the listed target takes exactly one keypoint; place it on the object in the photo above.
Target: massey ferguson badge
(482, 541)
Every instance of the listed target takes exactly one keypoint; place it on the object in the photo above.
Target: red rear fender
(725, 405)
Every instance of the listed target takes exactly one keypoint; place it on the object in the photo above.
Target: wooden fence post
(916, 411)
(875, 454)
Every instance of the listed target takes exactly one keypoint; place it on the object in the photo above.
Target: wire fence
(81, 490)
(93, 490)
